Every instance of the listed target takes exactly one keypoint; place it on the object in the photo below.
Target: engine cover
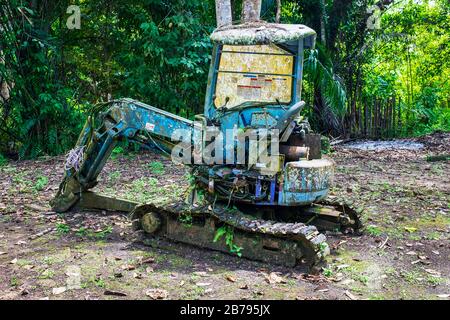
(305, 182)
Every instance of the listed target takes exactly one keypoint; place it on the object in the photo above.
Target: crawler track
(284, 243)
(269, 241)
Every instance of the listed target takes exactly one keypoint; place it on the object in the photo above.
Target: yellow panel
(271, 82)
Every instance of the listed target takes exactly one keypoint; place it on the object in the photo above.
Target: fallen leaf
(343, 266)
(443, 295)
(128, 267)
(137, 275)
(182, 283)
(347, 281)
(149, 269)
(244, 287)
(433, 272)
(350, 295)
(410, 229)
(59, 290)
(2, 253)
(13, 261)
(274, 278)
(114, 293)
(28, 266)
(203, 284)
(156, 294)
(411, 253)
(231, 278)
(435, 252)
(201, 273)
(149, 260)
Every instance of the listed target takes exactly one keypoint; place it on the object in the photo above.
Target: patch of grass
(14, 282)
(327, 272)
(118, 150)
(434, 235)
(428, 222)
(156, 167)
(361, 278)
(412, 277)
(178, 262)
(8, 169)
(5, 218)
(373, 230)
(434, 281)
(142, 185)
(98, 282)
(193, 293)
(62, 228)
(47, 274)
(22, 262)
(48, 260)
(104, 233)
(395, 233)
(92, 234)
(3, 160)
(21, 182)
(150, 190)
(291, 282)
(114, 176)
(40, 183)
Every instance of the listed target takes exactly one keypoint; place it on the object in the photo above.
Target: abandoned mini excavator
(272, 212)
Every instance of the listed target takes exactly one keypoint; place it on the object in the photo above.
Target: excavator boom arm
(122, 119)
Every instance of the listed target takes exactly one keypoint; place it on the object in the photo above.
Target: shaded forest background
(360, 81)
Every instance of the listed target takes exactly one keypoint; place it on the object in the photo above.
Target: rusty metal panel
(261, 73)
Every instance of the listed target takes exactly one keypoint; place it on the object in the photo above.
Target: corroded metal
(265, 240)
(254, 73)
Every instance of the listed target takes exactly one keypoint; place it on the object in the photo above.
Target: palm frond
(319, 68)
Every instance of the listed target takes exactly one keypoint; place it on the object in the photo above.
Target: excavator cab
(256, 68)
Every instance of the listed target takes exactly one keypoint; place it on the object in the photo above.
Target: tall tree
(251, 10)
(223, 13)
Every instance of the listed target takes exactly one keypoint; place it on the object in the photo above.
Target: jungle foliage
(158, 51)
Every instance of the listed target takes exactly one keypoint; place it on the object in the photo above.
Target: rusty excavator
(272, 210)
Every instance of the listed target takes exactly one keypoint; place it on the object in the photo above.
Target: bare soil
(404, 252)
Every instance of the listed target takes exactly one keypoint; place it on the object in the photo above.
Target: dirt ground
(404, 252)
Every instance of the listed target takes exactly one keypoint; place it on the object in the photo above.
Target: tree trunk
(278, 14)
(223, 13)
(251, 11)
(323, 13)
